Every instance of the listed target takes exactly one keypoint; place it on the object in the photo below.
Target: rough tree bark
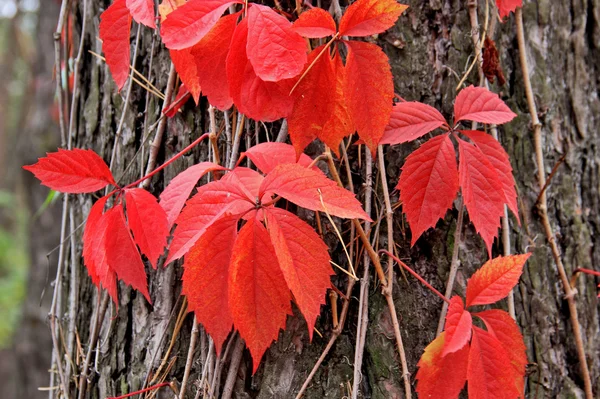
(430, 48)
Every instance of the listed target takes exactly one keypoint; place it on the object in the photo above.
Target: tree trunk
(430, 48)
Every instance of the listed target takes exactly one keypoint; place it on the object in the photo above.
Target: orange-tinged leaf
(441, 377)
(142, 12)
(72, 171)
(369, 17)
(307, 188)
(266, 156)
(369, 90)
(315, 23)
(303, 259)
(185, 65)
(167, 6)
(206, 278)
(482, 190)
(481, 105)
(93, 236)
(275, 51)
(259, 299)
(428, 184)
(505, 7)
(148, 222)
(458, 326)
(495, 279)
(489, 373)
(114, 30)
(504, 329)
(411, 120)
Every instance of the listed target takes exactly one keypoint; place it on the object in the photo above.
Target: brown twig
(190, 359)
(549, 179)
(234, 366)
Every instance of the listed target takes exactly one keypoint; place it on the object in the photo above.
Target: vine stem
(543, 206)
(190, 359)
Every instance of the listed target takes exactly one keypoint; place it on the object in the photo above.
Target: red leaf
(315, 24)
(428, 184)
(257, 99)
(411, 120)
(206, 275)
(72, 171)
(442, 377)
(142, 12)
(489, 374)
(259, 300)
(245, 183)
(267, 31)
(369, 17)
(505, 7)
(115, 26)
(481, 105)
(458, 326)
(185, 65)
(210, 55)
(93, 236)
(495, 279)
(266, 156)
(148, 221)
(369, 90)
(482, 191)
(306, 187)
(122, 255)
(504, 329)
(179, 189)
(493, 151)
(304, 261)
(188, 24)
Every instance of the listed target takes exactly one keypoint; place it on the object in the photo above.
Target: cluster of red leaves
(430, 176)
(492, 361)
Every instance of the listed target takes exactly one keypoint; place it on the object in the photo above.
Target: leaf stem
(152, 388)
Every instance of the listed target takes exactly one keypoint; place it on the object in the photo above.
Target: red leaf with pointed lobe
(411, 120)
(187, 25)
(428, 184)
(114, 30)
(173, 198)
(482, 190)
(493, 151)
(505, 7)
(489, 373)
(73, 171)
(245, 183)
(315, 23)
(185, 65)
(311, 189)
(121, 253)
(369, 90)
(259, 299)
(458, 326)
(481, 105)
(210, 55)
(304, 260)
(442, 377)
(206, 278)
(500, 325)
(275, 51)
(93, 236)
(142, 12)
(148, 221)
(257, 99)
(369, 17)
(495, 279)
(266, 156)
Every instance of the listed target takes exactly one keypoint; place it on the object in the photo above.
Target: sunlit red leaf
(312, 190)
(441, 377)
(303, 259)
(411, 120)
(72, 171)
(275, 51)
(188, 24)
(369, 17)
(458, 326)
(481, 105)
(315, 23)
(369, 90)
(148, 221)
(428, 184)
(259, 299)
(505, 7)
(495, 279)
(266, 156)
(206, 278)
(115, 26)
(142, 12)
